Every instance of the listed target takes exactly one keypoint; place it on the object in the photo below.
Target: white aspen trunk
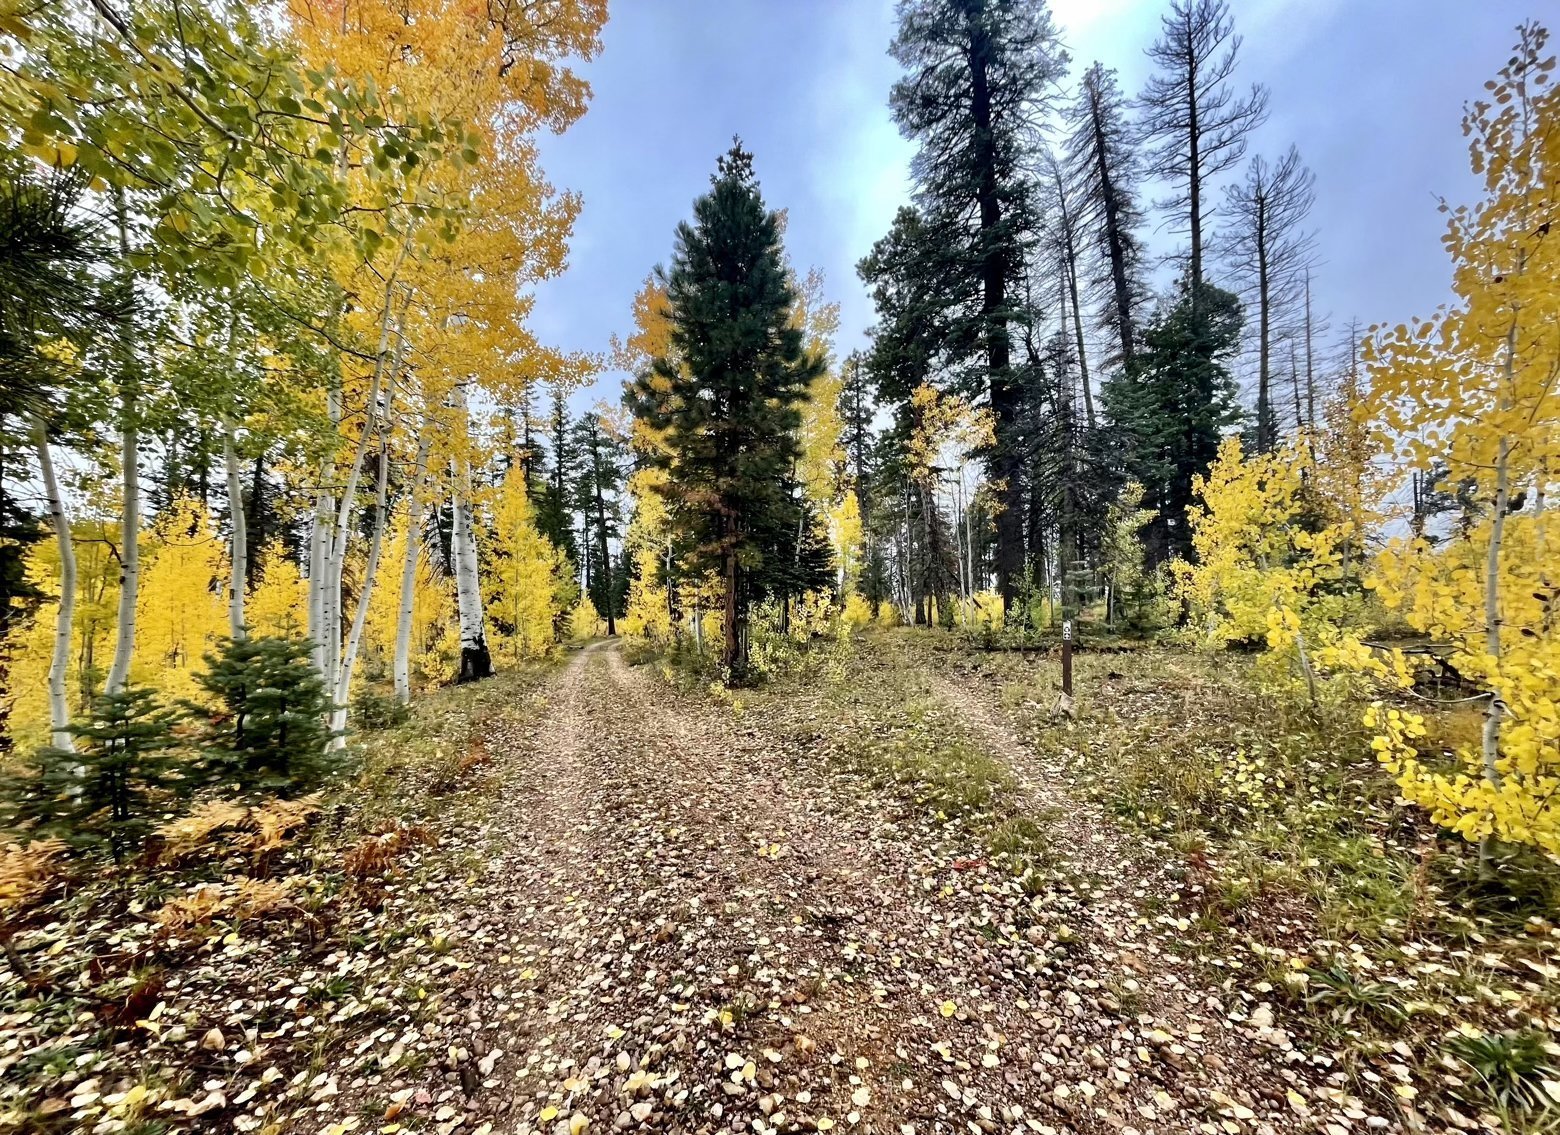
(130, 551)
(956, 499)
(475, 661)
(319, 552)
(969, 534)
(239, 548)
(1305, 666)
(130, 521)
(671, 605)
(337, 670)
(468, 593)
(379, 422)
(1310, 364)
(341, 528)
(330, 595)
(332, 520)
(1540, 537)
(1492, 615)
(64, 619)
(902, 542)
(360, 615)
(403, 620)
(1496, 713)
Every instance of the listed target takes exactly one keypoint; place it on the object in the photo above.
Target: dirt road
(687, 924)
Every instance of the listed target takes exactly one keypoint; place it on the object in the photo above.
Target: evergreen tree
(857, 409)
(1195, 123)
(1104, 165)
(1172, 407)
(554, 509)
(105, 793)
(266, 729)
(915, 305)
(979, 71)
(728, 399)
(47, 246)
(529, 455)
(601, 457)
(802, 560)
(623, 575)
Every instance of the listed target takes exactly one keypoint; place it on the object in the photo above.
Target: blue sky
(1371, 92)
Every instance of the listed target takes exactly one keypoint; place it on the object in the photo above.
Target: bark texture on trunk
(1006, 398)
(402, 666)
(129, 551)
(64, 618)
(476, 662)
(1121, 292)
(238, 566)
(130, 521)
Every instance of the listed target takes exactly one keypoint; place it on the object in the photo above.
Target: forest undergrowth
(1185, 845)
(225, 973)
(1421, 975)
(1424, 971)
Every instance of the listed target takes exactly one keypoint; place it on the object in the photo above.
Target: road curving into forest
(690, 924)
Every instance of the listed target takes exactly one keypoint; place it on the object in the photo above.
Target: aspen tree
(1474, 388)
(64, 619)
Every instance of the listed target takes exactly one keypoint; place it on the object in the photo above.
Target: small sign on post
(1067, 649)
(1064, 700)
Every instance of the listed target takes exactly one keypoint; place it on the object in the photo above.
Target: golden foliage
(31, 642)
(257, 830)
(432, 657)
(278, 603)
(584, 621)
(945, 429)
(981, 611)
(530, 581)
(858, 611)
(1267, 563)
(1473, 390)
(180, 612)
(26, 873)
(646, 614)
(240, 899)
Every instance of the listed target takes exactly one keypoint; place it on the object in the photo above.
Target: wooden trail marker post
(1064, 703)
(1067, 647)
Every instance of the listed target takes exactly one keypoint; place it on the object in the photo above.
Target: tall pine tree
(554, 506)
(727, 397)
(1104, 161)
(600, 477)
(1173, 405)
(978, 73)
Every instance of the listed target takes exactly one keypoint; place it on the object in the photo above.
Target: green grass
(1508, 1071)
(1302, 873)
(899, 734)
